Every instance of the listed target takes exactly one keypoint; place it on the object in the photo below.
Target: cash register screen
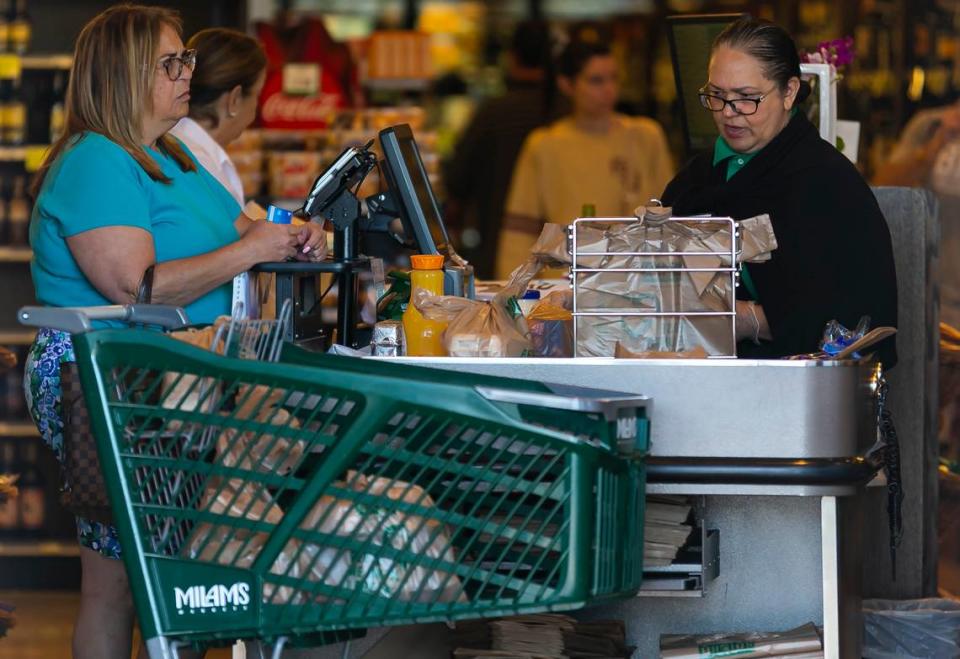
(412, 191)
(691, 38)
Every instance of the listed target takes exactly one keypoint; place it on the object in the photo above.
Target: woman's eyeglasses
(745, 106)
(174, 64)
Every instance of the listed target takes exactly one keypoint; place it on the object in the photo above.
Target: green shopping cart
(316, 496)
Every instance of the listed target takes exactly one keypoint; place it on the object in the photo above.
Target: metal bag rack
(611, 264)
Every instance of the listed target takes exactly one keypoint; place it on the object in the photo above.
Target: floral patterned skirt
(41, 384)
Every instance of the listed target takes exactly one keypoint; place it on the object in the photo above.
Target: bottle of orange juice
(422, 335)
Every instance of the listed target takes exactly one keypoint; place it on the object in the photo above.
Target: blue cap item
(278, 215)
(531, 294)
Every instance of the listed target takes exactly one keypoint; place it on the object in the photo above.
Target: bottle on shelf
(4, 25)
(16, 403)
(10, 104)
(15, 116)
(32, 497)
(4, 383)
(58, 113)
(20, 28)
(4, 225)
(18, 214)
(9, 510)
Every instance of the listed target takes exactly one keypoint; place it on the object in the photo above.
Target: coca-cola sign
(298, 109)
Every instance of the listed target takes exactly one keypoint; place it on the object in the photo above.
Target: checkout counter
(800, 524)
(771, 452)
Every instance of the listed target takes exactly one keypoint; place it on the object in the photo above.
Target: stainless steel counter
(720, 408)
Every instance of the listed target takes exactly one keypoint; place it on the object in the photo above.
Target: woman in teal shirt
(116, 196)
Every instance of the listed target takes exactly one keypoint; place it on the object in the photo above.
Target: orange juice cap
(427, 261)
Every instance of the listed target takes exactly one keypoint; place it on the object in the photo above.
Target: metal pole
(346, 251)
(535, 10)
(411, 14)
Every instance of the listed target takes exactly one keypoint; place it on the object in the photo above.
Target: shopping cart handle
(77, 320)
(576, 399)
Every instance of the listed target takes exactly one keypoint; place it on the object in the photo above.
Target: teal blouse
(96, 183)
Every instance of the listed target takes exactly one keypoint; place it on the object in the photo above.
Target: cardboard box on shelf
(292, 173)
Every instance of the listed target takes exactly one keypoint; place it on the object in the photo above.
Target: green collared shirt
(735, 162)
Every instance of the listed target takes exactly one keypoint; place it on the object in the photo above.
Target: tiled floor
(45, 625)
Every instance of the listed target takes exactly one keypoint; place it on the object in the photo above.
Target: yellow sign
(10, 67)
(34, 156)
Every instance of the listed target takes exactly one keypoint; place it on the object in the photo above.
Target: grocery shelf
(397, 84)
(18, 429)
(54, 62)
(17, 338)
(15, 254)
(31, 155)
(42, 548)
(13, 153)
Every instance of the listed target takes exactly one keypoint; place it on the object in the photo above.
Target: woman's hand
(312, 242)
(267, 242)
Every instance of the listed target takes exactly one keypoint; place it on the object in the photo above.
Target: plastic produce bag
(372, 527)
(495, 328)
(908, 629)
(475, 328)
(551, 330)
(836, 337)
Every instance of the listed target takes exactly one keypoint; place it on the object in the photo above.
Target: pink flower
(838, 52)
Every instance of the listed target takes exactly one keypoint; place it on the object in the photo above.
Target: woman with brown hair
(116, 196)
(227, 81)
(834, 256)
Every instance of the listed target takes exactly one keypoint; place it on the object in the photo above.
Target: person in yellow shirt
(595, 156)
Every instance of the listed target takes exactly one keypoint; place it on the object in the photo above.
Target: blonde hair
(111, 85)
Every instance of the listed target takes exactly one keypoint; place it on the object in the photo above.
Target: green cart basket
(307, 498)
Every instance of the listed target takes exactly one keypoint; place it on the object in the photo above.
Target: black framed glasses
(174, 64)
(745, 106)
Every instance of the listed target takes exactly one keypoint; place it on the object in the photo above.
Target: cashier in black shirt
(834, 258)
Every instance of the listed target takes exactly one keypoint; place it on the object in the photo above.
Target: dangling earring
(231, 114)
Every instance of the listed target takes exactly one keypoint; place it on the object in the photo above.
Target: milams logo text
(212, 599)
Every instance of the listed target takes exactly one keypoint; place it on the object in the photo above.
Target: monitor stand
(297, 280)
(382, 212)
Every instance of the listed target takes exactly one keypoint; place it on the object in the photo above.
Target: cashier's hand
(752, 323)
(312, 242)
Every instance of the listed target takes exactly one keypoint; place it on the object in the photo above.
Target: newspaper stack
(801, 643)
(545, 636)
(664, 530)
